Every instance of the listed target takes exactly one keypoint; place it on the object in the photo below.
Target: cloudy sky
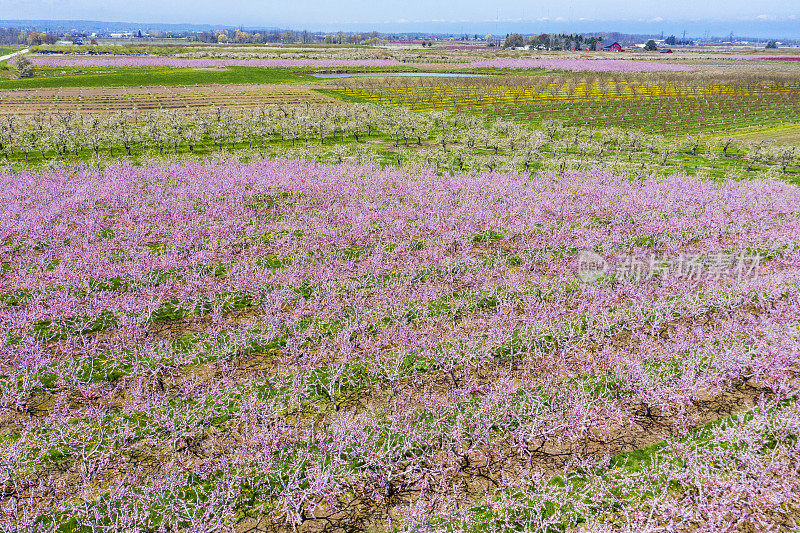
(473, 14)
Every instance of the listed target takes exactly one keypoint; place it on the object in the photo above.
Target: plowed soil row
(112, 99)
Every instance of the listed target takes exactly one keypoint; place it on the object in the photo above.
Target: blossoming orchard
(329, 288)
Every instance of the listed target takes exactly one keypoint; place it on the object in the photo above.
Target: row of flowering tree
(284, 345)
(466, 140)
(665, 103)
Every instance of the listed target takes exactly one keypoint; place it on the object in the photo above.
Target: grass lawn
(6, 49)
(53, 77)
(141, 76)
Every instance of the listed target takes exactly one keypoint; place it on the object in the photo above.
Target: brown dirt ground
(111, 99)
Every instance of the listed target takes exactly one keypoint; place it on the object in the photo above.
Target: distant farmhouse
(613, 47)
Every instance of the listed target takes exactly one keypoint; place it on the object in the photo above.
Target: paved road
(9, 56)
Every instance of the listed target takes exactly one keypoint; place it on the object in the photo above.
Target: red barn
(613, 47)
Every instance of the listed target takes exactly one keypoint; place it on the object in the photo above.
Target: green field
(52, 77)
(6, 49)
(788, 134)
(144, 76)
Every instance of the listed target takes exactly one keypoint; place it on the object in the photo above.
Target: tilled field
(112, 99)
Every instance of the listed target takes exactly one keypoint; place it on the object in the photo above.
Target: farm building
(613, 47)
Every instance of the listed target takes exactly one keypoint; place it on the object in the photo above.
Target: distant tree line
(9, 36)
(546, 41)
(31, 38)
(672, 41)
(287, 37)
(543, 41)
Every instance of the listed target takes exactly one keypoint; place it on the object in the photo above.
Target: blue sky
(396, 15)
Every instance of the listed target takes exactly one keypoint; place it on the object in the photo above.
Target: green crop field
(143, 76)
(788, 134)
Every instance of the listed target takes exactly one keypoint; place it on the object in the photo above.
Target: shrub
(24, 68)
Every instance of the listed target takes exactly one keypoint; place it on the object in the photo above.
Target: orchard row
(279, 344)
(664, 104)
(392, 135)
